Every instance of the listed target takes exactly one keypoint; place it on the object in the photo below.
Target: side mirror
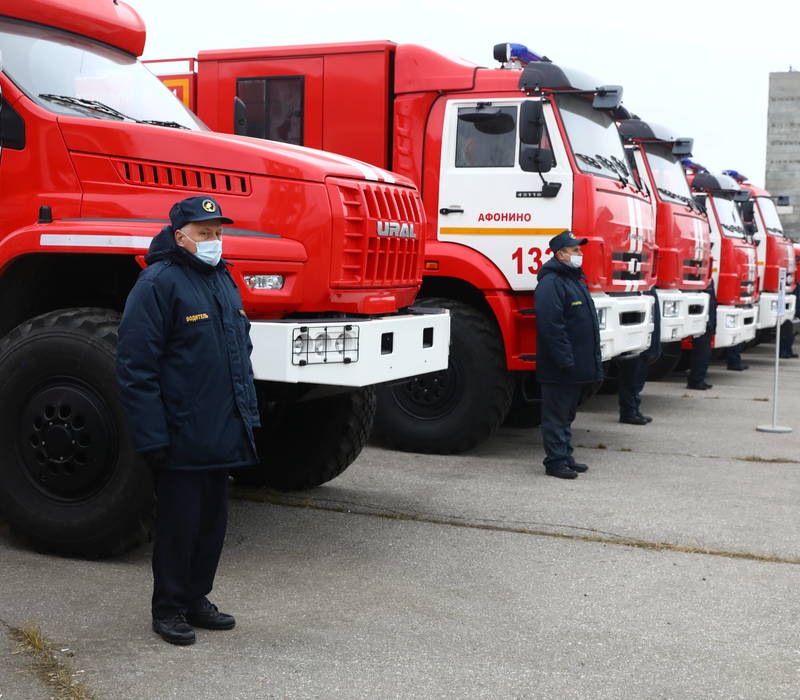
(533, 159)
(607, 97)
(741, 196)
(488, 120)
(746, 210)
(531, 122)
(682, 147)
(783, 200)
(239, 117)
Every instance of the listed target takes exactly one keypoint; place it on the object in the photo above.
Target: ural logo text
(395, 228)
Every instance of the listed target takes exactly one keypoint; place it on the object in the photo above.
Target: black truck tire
(455, 409)
(305, 444)
(70, 481)
(666, 363)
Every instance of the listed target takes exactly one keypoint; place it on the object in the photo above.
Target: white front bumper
(628, 323)
(768, 309)
(735, 325)
(682, 323)
(351, 352)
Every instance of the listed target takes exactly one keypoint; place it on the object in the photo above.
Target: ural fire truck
(505, 159)
(734, 256)
(95, 150)
(774, 252)
(683, 243)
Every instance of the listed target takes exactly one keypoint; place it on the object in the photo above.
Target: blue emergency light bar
(516, 52)
(689, 164)
(736, 175)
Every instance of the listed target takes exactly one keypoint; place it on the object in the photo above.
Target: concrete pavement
(407, 596)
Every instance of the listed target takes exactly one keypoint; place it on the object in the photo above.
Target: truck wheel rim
(66, 440)
(430, 396)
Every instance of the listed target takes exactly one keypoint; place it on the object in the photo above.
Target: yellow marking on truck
(475, 231)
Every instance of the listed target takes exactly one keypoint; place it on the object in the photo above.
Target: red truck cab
(94, 150)
(505, 159)
(774, 251)
(734, 258)
(683, 242)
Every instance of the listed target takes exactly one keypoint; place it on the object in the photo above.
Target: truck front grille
(377, 234)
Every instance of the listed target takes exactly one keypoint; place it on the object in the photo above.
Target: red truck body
(398, 106)
(93, 152)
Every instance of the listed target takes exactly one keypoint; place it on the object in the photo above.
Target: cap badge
(209, 206)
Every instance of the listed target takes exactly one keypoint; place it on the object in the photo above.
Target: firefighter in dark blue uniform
(186, 382)
(632, 374)
(567, 349)
(700, 354)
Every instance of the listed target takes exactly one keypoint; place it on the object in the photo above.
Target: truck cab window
(274, 107)
(487, 143)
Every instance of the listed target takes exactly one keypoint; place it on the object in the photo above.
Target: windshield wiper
(158, 122)
(688, 201)
(102, 108)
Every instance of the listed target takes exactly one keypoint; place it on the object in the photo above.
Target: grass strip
(275, 498)
(58, 676)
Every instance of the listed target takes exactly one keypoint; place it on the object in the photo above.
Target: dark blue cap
(564, 239)
(196, 209)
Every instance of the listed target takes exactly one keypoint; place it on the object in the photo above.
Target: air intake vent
(139, 172)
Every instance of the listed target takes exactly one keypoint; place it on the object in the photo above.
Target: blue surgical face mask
(210, 252)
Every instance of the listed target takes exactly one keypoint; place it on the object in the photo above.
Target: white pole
(775, 428)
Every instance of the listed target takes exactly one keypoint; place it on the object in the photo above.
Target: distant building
(783, 146)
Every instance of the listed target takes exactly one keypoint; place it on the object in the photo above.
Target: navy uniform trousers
(559, 405)
(699, 357)
(631, 378)
(191, 517)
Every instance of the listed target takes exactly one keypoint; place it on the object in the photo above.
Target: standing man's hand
(156, 459)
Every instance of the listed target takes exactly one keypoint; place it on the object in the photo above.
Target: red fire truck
(774, 252)
(683, 255)
(734, 256)
(505, 159)
(93, 152)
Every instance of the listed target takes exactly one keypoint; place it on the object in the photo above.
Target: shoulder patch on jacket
(196, 317)
(241, 311)
(576, 303)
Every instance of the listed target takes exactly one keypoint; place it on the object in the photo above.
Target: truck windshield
(730, 223)
(770, 214)
(668, 173)
(593, 137)
(71, 75)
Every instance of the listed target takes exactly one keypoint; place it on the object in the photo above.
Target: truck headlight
(730, 321)
(773, 306)
(601, 318)
(670, 309)
(325, 345)
(264, 281)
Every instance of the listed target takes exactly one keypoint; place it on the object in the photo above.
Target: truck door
(280, 99)
(487, 202)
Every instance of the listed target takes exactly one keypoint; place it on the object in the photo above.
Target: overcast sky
(701, 68)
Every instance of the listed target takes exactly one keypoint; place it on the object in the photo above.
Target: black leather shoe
(647, 419)
(562, 471)
(633, 420)
(788, 356)
(701, 386)
(740, 368)
(174, 630)
(578, 467)
(209, 617)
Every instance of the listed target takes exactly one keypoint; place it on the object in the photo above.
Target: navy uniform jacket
(567, 330)
(183, 362)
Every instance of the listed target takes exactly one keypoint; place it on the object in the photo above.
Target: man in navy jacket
(183, 366)
(567, 349)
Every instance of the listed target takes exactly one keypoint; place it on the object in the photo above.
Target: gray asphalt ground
(476, 575)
